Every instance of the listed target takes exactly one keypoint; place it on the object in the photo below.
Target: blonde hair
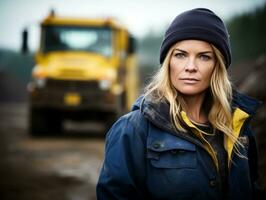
(219, 109)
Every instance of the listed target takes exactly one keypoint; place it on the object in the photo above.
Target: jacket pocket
(172, 169)
(174, 155)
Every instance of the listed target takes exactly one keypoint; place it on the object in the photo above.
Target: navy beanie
(199, 24)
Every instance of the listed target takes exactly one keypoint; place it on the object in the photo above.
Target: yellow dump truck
(85, 69)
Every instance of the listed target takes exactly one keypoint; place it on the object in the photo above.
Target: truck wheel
(109, 121)
(42, 122)
(121, 105)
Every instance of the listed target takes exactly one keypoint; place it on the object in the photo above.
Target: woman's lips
(189, 80)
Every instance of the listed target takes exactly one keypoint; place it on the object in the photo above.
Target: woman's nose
(191, 65)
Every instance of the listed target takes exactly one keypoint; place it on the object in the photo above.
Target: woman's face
(191, 66)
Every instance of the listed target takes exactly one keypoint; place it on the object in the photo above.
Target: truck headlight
(39, 72)
(40, 82)
(105, 84)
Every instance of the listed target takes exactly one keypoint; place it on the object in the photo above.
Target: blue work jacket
(146, 158)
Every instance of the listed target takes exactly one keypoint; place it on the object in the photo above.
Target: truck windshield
(73, 38)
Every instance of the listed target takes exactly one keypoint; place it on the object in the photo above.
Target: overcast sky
(140, 16)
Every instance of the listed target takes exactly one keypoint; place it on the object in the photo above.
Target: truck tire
(42, 122)
(109, 121)
(121, 105)
(120, 110)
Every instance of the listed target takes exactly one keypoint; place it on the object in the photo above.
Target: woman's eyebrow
(203, 52)
(183, 51)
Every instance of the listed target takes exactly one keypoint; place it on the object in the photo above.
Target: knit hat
(199, 24)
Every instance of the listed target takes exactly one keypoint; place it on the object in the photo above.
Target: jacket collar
(245, 103)
(156, 112)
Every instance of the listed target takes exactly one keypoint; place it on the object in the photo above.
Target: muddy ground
(60, 168)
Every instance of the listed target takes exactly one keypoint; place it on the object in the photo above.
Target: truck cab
(85, 69)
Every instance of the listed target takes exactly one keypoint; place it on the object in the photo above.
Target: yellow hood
(77, 65)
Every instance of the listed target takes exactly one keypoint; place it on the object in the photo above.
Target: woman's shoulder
(130, 125)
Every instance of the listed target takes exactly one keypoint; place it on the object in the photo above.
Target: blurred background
(38, 79)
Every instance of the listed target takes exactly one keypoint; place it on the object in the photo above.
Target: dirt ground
(60, 168)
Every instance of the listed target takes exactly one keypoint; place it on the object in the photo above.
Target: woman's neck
(194, 108)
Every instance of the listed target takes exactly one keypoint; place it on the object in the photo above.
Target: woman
(188, 136)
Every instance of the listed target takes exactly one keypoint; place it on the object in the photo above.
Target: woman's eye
(179, 55)
(205, 57)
